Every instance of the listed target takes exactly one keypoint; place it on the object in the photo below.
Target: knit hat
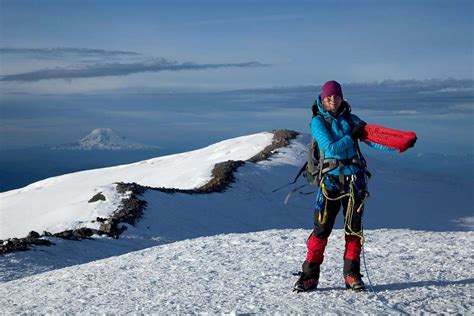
(331, 88)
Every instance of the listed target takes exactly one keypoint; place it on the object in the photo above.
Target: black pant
(326, 212)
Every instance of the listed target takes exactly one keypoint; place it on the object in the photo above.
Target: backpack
(313, 167)
(316, 165)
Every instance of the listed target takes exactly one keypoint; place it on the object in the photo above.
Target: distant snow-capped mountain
(104, 139)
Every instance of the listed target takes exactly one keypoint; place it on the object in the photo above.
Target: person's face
(332, 103)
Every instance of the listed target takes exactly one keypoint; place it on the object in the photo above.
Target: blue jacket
(336, 141)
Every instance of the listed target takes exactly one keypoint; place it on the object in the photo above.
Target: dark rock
(76, 234)
(67, 234)
(22, 244)
(33, 234)
(33, 238)
(281, 138)
(112, 228)
(222, 177)
(13, 245)
(83, 233)
(135, 188)
(105, 229)
(45, 233)
(97, 197)
(130, 210)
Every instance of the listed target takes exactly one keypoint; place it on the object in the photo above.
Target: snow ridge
(186, 171)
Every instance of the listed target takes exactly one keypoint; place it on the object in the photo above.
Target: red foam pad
(389, 137)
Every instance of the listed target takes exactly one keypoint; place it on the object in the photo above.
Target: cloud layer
(118, 69)
(401, 97)
(59, 52)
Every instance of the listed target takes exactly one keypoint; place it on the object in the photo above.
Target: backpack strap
(356, 143)
(331, 164)
(296, 178)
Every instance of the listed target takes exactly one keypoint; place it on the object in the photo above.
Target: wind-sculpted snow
(252, 273)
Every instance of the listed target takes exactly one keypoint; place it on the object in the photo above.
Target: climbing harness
(350, 208)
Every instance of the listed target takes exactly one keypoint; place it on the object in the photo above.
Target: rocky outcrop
(129, 211)
(22, 244)
(77, 234)
(223, 173)
(281, 139)
(222, 177)
(98, 197)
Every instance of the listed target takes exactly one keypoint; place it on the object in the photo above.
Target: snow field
(252, 273)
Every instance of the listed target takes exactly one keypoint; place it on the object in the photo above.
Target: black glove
(358, 131)
(411, 144)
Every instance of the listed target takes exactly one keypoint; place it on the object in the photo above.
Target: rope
(360, 234)
(350, 215)
(383, 300)
(350, 210)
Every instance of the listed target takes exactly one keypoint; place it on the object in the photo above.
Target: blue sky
(166, 72)
(249, 43)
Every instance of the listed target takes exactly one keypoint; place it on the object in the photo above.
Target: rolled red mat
(396, 139)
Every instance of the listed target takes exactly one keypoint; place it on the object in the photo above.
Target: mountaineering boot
(352, 276)
(305, 283)
(308, 278)
(354, 282)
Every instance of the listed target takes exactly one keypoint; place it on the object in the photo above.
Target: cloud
(118, 69)
(400, 97)
(60, 52)
(418, 86)
(465, 222)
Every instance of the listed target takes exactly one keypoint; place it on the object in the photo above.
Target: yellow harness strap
(350, 210)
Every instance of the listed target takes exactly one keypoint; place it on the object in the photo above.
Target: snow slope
(61, 203)
(252, 273)
(194, 261)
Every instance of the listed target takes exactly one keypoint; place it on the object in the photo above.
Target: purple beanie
(331, 88)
